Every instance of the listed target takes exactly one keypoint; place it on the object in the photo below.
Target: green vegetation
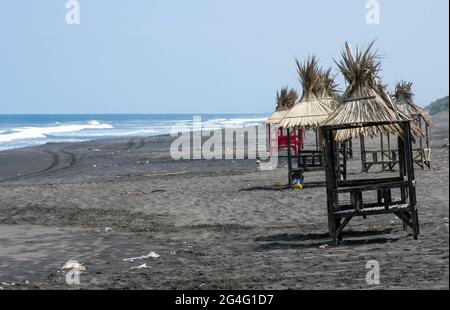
(438, 106)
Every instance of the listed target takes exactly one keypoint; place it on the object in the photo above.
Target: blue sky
(221, 56)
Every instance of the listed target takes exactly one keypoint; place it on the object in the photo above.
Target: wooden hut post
(382, 151)
(331, 179)
(317, 139)
(427, 141)
(299, 146)
(350, 148)
(363, 152)
(422, 155)
(289, 157)
(402, 171)
(409, 163)
(390, 155)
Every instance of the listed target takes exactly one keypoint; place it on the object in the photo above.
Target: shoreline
(216, 224)
(33, 130)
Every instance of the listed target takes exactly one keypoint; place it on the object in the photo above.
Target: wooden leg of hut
(402, 168)
(363, 153)
(427, 138)
(299, 147)
(332, 180)
(345, 161)
(390, 156)
(406, 220)
(422, 158)
(338, 233)
(289, 158)
(330, 174)
(341, 227)
(382, 152)
(411, 179)
(350, 148)
(317, 139)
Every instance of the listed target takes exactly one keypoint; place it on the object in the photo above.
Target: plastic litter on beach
(298, 186)
(143, 266)
(278, 184)
(73, 264)
(108, 229)
(149, 255)
(258, 165)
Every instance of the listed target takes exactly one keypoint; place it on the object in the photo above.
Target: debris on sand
(108, 229)
(279, 184)
(149, 255)
(163, 174)
(153, 255)
(73, 264)
(143, 266)
(323, 247)
(158, 191)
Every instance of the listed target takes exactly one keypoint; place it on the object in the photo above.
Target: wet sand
(215, 224)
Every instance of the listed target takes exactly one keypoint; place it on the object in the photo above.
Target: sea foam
(43, 132)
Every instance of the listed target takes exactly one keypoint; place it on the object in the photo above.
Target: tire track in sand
(56, 160)
(133, 144)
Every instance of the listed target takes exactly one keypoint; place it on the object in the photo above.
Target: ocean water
(18, 131)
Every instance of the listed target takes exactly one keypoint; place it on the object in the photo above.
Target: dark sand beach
(215, 224)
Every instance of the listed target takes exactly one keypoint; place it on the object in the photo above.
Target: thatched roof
(327, 86)
(328, 89)
(365, 100)
(286, 99)
(276, 117)
(404, 99)
(310, 111)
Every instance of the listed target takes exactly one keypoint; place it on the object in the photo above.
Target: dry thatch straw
(328, 89)
(365, 100)
(404, 99)
(286, 99)
(310, 111)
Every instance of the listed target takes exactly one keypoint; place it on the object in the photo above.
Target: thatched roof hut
(365, 100)
(328, 89)
(286, 99)
(310, 111)
(404, 99)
